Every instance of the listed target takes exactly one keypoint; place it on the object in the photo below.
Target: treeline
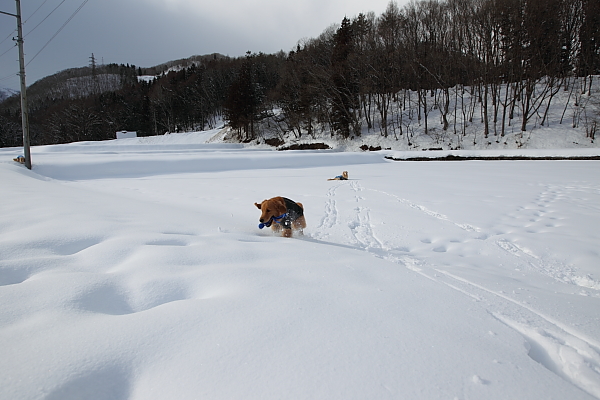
(502, 62)
(498, 58)
(190, 98)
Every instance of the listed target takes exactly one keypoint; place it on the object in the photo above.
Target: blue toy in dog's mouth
(271, 220)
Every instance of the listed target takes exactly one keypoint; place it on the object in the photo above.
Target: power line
(53, 36)
(9, 76)
(8, 50)
(24, 22)
(9, 35)
(33, 13)
(57, 32)
(45, 18)
(24, 108)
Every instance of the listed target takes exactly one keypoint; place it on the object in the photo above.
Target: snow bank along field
(134, 269)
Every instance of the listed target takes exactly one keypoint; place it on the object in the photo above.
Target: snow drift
(134, 269)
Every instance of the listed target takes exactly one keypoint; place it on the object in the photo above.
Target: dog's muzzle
(270, 221)
(267, 224)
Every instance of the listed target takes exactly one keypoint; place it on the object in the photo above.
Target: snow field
(135, 271)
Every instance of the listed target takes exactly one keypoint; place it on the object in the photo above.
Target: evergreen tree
(345, 82)
(245, 99)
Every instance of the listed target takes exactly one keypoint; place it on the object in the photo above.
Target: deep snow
(134, 269)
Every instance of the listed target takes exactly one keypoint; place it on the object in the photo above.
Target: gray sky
(149, 32)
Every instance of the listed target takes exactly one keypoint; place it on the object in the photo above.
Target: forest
(500, 61)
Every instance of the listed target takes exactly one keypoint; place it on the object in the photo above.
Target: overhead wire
(9, 76)
(45, 18)
(8, 50)
(36, 10)
(25, 22)
(58, 31)
(9, 35)
(48, 42)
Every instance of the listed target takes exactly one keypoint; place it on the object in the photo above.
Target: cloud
(270, 21)
(150, 32)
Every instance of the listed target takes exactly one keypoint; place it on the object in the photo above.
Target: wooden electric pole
(24, 109)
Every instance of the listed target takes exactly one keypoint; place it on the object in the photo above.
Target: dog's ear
(280, 205)
(258, 205)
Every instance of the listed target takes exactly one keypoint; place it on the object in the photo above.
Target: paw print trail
(329, 219)
(457, 253)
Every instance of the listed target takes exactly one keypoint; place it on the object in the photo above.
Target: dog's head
(274, 207)
(345, 174)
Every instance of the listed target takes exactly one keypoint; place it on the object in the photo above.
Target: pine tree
(244, 100)
(345, 84)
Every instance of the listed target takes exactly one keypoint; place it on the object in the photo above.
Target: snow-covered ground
(134, 269)
(567, 120)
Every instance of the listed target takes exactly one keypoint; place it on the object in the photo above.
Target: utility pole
(24, 109)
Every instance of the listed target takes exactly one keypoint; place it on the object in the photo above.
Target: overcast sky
(149, 32)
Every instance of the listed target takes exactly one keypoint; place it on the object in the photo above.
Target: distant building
(126, 134)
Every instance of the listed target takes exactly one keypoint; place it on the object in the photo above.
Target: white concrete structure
(126, 134)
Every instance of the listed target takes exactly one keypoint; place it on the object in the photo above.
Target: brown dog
(282, 214)
(342, 177)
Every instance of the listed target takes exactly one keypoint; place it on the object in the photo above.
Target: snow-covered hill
(134, 269)
(5, 93)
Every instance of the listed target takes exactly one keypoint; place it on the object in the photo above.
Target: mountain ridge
(45, 85)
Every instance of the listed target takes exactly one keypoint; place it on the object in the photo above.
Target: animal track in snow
(552, 344)
(356, 186)
(360, 226)
(549, 267)
(362, 230)
(541, 213)
(330, 219)
(567, 355)
(514, 249)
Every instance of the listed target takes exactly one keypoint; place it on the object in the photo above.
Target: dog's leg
(300, 223)
(287, 233)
